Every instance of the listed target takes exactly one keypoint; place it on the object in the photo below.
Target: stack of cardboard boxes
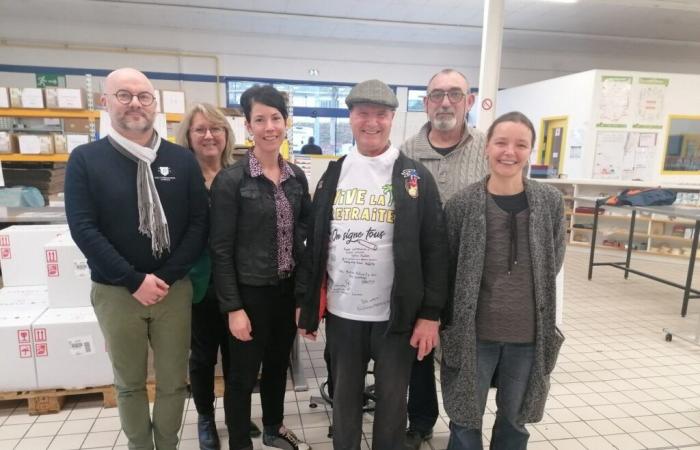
(49, 334)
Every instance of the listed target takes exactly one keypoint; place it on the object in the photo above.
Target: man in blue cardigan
(137, 208)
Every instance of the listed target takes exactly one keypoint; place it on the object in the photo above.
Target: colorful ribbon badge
(411, 182)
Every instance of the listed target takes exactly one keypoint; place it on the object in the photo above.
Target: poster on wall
(638, 159)
(622, 155)
(614, 105)
(609, 152)
(652, 93)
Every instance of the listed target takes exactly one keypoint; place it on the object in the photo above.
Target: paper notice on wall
(614, 104)
(609, 152)
(639, 155)
(652, 92)
(304, 163)
(81, 345)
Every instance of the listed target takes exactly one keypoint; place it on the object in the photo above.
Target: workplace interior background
(612, 86)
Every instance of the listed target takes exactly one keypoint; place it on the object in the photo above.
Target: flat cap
(374, 92)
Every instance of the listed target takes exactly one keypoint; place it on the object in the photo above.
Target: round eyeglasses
(125, 97)
(454, 95)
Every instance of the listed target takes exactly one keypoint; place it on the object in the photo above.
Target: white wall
(568, 96)
(579, 98)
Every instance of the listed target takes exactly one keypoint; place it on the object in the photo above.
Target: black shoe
(414, 438)
(206, 429)
(254, 430)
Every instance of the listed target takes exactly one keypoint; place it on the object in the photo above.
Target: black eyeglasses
(125, 97)
(454, 95)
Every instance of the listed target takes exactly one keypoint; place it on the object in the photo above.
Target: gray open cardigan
(466, 228)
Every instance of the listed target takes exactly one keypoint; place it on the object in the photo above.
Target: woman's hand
(239, 325)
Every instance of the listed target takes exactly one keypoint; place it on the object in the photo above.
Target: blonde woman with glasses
(206, 132)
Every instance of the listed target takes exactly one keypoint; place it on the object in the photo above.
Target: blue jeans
(512, 364)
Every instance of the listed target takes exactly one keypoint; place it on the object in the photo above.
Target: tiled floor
(618, 383)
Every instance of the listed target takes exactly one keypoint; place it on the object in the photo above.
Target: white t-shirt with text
(360, 255)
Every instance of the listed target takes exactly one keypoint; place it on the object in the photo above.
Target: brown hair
(513, 116)
(215, 116)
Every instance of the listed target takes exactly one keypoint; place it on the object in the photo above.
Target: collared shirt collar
(256, 169)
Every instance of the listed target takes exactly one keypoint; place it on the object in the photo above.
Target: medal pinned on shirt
(410, 182)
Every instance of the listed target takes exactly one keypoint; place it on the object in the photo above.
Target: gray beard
(444, 124)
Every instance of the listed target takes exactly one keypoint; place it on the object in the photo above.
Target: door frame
(544, 147)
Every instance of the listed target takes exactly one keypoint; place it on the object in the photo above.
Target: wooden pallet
(50, 401)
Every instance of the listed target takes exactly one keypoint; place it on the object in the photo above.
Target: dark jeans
(422, 395)
(351, 344)
(271, 313)
(209, 332)
(514, 362)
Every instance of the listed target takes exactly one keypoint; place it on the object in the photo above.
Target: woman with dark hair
(259, 208)
(206, 132)
(507, 242)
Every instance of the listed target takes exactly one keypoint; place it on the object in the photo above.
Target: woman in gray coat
(507, 241)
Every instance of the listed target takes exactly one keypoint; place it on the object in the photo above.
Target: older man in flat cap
(375, 266)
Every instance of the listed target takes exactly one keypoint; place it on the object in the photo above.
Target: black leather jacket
(419, 246)
(243, 235)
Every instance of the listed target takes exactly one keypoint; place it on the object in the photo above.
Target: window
(415, 100)
(319, 110)
(682, 145)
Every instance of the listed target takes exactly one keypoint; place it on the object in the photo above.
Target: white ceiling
(589, 25)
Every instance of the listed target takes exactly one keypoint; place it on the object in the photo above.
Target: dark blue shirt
(102, 212)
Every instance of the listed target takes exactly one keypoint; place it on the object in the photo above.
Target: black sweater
(101, 207)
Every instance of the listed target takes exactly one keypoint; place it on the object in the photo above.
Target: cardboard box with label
(35, 144)
(59, 144)
(74, 140)
(4, 98)
(17, 348)
(26, 98)
(69, 350)
(76, 125)
(32, 297)
(67, 274)
(6, 143)
(62, 98)
(22, 255)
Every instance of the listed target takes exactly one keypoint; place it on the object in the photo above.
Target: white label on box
(81, 345)
(74, 140)
(81, 269)
(70, 98)
(29, 144)
(4, 98)
(32, 98)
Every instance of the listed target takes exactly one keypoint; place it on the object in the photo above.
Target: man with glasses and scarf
(454, 155)
(137, 208)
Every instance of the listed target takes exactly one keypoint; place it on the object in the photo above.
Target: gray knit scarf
(152, 220)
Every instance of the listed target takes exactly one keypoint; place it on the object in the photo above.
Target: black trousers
(351, 344)
(209, 333)
(271, 313)
(422, 395)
